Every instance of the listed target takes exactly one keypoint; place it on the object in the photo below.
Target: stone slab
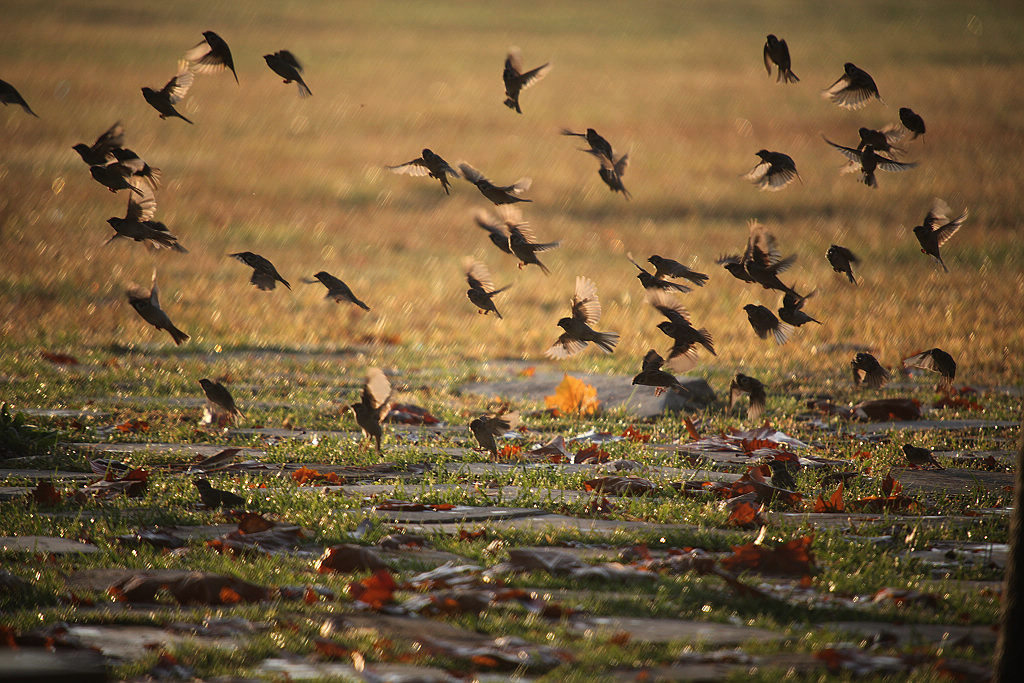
(45, 544)
(79, 414)
(949, 480)
(671, 630)
(296, 669)
(556, 523)
(927, 425)
(135, 642)
(458, 514)
(30, 665)
(915, 634)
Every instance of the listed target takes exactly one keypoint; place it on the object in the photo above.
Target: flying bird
(764, 323)
(881, 140)
(920, 457)
(481, 289)
(774, 172)
(211, 55)
(868, 161)
(285, 65)
(937, 229)
(761, 261)
(677, 326)
(776, 51)
(114, 177)
(523, 244)
(745, 384)
(220, 399)
(132, 164)
(163, 100)
(651, 375)
(652, 281)
(516, 80)
(264, 274)
(428, 164)
(935, 360)
(216, 498)
(101, 152)
(336, 289)
(147, 305)
(853, 89)
(666, 267)
(487, 428)
(10, 95)
(612, 174)
(599, 147)
(507, 194)
(497, 223)
(138, 223)
(578, 330)
(374, 405)
(866, 369)
(842, 259)
(792, 310)
(912, 122)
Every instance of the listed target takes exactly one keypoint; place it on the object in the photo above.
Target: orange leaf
(691, 429)
(484, 660)
(573, 396)
(833, 504)
(133, 425)
(331, 649)
(620, 638)
(528, 372)
(744, 515)
(229, 596)
(633, 434)
(374, 591)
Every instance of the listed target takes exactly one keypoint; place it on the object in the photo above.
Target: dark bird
(215, 498)
(774, 171)
(666, 267)
(578, 330)
(525, 247)
(685, 337)
(516, 80)
(147, 305)
(507, 194)
(782, 477)
(131, 163)
(745, 384)
(935, 360)
(937, 229)
(487, 428)
(211, 55)
(868, 370)
(219, 399)
(881, 140)
(912, 122)
(114, 177)
(10, 95)
(761, 261)
(868, 161)
(651, 375)
(853, 89)
(777, 51)
(428, 164)
(374, 405)
(921, 457)
(842, 259)
(264, 274)
(481, 289)
(612, 174)
(497, 222)
(599, 147)
(138, 223)
(163, 100)
(651, 281)
(101, 152)
(764, 323)
(336, 289)
(285, 65)
(792, 311)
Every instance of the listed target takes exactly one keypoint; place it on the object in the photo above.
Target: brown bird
(337, 290)
(685, 337)
(586, 311)
(777, 51)
(651, 375)
(744, 384)
(481, 289)
(135, 167)
(881, 140)
(114, 177)
(264, 274)
(921, 458)
(599, 147)
(774, 171)
(507, 194)
(937, 229)
(138, 224)
(666, 267)
(10, 95)
(523, 244)
(764, 323)
(285, 65)
(216, 498)
(868, 370)
(497, 222)
(842, 259)
(487, 428)
(652, 281)
(912, 122)
(219, 399)
(867, 161)
(935, 360)
(612, 174)
(374, 405)
(174, 91)
(101, 152)
(792, 310)
(853, 89)
(147, 305)
(428, 164)
(762, 260)
(211, 55)
(516, 80)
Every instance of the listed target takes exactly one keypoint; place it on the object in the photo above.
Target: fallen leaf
(590, 455)
(745, 515)
(44, 494)
(528, 372)
(886, 409)
(374, 591)
(573, 396)
(132, 426)
(633, 434)
(407, 413)
(792, 558)
(59, 358)
(833, 504)
(621, 486)
(347, 557)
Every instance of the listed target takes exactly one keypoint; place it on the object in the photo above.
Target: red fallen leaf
(792, 558)
(407, 413)
(376, 590)
(591, 454)
(7, 638)
(528, 372)
(132, 426)
(833, 504)
(330, 649)
(304, 476)
(832, 658)
(621, 486)
(691, 429)
(600, 506)
(891, 486)
(403, 541)
(484, 660)
(949, 401)
(884, 409)
(347, 558)
(59, 358)
(45, 495)
(253, 523)
(472, 535)
(621, 638)
(633, 434)
(509, 450)
(745, 515)
(310, 597)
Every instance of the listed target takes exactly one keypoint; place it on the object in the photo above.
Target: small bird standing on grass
(776, 51)
(211, 55)
(937, 229)
(428, 164)
(264, 274)
(147, 305)
(487, 428)
(374, 405)
(174, 91)
(745, 384)
(516, 80)
(285, 65)
(853, 89)
(868, 370)
(216, 498)
(842, 259)
(921, 458)
(10, 95)
(219, 400)
(586, 311)
(481, 289)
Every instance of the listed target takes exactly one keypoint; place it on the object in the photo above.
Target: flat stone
(201, 449)
(671, 630)
(556, 523)
(927, 425)
(80, 414)
(30, 665)
(101, 579)
(46, 475)
(843, 520)
(136, 642)
(459, 514)
(953, 481)
(14, 492)
(307, 669)
(911, 634)
(45, 544)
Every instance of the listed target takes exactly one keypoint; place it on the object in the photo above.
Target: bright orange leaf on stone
(573, 396)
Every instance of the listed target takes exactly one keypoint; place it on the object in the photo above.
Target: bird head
(148, 91)
(111, 221)
(206, 384)
(772, 39)
(82, 149)
(750, 308)
(763, 154)
(321, 275)
(564, 323)
(849, 68)
(427, 153)
(665, 326)
(202, 484)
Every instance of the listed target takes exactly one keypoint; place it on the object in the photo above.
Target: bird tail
(849, 274)
(512, 104)
(705, 340)
(177, 335)
(304, 90)
(782, 333)
(869, 180)
(136, 190)
(606, 340)
(942, 263)
(544, 269)
(756, 409)
(361, 305)
(790, 77)
(185, 119)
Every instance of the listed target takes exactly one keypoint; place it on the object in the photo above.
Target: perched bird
(487, 428)
(599, 147)
(215, 498)
(147, 305)
(374, 405)
(868, 370)
(651, 375)
(211, 55)
(612, 174)
(921, 457)
(138, 223)
(578, 330)
(842, 259)
(114, 177)
(651, 281)
(429, 164)
(264, 274)
(516, 80)
(666, 267)
(853, 89)
(782, 477)
(745, 384)
(163, 100)
(764, 323)
(507, 194)
(101, 152)
(777, 51)
(935, 360)
(285, 65)
(10, 95)
(336, 289)
(937, 229)
(219, 399)
(523, 244)
(881, 140)
(481, 289)
(774, 171)
(792, 310)
(869, 161)
(912, 122)
(497, 223)
(685, 337)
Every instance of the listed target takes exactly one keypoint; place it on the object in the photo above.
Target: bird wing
(177, 87)
(519, 186)
(289, 58)
(416, 167)
(767, 59)
(111, 139)
(514, 60)
(585, 304)
(891, 165)
(141, 208)
(652, 361)
(478, 275)
(376, 391)
(621, 164)
(924, 360)
(668, 306)
(949, 229)
(202, 58)
(471, 174)
(848, 152)
(534, 75)
(757, 173)
(564, 347)
(937, 214)
(154, 294)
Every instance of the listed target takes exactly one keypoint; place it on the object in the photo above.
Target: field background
(680, 86)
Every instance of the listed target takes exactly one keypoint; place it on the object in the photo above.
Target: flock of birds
(760, 263)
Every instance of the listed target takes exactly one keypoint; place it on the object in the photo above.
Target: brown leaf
(573, 396)
(745, 516)
(59, 358)
(375, 591)
(347, 558)
(44, 494)
(621, 486)
(792, 558)
(886, 409)
(833, 504)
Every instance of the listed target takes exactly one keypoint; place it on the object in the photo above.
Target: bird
(842, 259)
(761, 261)
(429, 164)
(174, 91)
(935, 360)
(487, 428)
(211, 55)
(216, 498)
(764, 323)
(524, 246)
(147, 305)
(114, 177)
(508, 194)
(10, 95)
(516, 80)
(374, 405)
(920, 457)
(651, 281)
(138, 224)
(264, 274)
(868, 161)
(776, 51)
(497, 222)
(651, 375)
(219, 399)
(745, 384)
(578, 330)
(599, 147)
(774, 172)
(336, 289)
(677, 326)
(792, 310)
(101, 152)
(881, 140)
(868, 370)
(133, 165)
(937, 229)
(666, 267)
(912, 122)
(481, 289)
(853, 89)
(285, 65)
(612, 174)
(782, 477)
